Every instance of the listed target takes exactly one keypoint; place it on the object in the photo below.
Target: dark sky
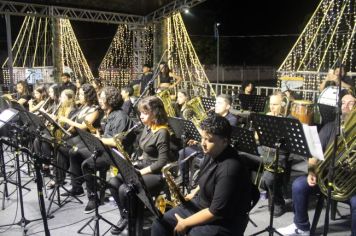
(242, 24)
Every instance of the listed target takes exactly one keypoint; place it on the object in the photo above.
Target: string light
(327, 40)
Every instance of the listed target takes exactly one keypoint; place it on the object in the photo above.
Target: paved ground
(70, 218)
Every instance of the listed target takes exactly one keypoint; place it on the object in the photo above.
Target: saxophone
(118, 137)
(344, 182)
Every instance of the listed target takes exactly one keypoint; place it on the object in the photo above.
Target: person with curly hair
(220, 203)
(155, 145)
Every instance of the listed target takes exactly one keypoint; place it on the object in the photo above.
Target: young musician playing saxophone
(114, 122)
(223, 195)
(155, 144)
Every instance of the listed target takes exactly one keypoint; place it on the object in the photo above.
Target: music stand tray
(184, 127)
(208, 103)
(255, 103)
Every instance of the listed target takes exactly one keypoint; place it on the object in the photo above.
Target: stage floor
(70, 218)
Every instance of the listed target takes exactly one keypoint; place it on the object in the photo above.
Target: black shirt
(68, 85)
(225, 187)
(232, 119)
(116, 122)
(327, 134)
(127, 107)
(155, 146)
(144, 81)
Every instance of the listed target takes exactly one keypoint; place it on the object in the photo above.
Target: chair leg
(318, 209)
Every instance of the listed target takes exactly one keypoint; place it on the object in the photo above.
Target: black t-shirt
(68, 85)
(127, 107)
(327, 134)
(143, 83)
(225, 187)
(232, 119)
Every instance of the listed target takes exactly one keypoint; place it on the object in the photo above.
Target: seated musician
(89, 111)
(305, 186)
(181, 106)
(276, 109)
(155, 144)
(221, 201)
(40, 96)
(22, 93)
(167, 79)
(126, 93)
(67, 109)
(114, 122)
(54, 95)
(247, 87)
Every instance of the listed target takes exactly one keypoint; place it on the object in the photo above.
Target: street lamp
(217, 36)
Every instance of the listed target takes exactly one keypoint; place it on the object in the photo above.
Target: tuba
(165, 97)
(344, 182)
(199, 112)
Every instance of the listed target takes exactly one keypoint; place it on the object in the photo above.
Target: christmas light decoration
(327, 41)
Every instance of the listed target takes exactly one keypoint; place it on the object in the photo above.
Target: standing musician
(126, 93)
(166, 77)
(155, 144)
(40, 97)
(305, 186)
(146, 77)
(114, 122)
(223, 197)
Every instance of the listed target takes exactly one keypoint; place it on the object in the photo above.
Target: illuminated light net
(33, 49)
(327, 39)
(183, 58)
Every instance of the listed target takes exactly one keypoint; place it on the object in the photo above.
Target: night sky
(251, 32)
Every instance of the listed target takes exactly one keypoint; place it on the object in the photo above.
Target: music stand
(244, 140)
(208, 103)
(327, 112)
(137, 187)
(56, 191)
(255, 103)
(290, 138)
(94, 145)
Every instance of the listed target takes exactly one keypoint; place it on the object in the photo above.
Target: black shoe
(121, 225)
(279, 210)
(79, 192)
(90, 207)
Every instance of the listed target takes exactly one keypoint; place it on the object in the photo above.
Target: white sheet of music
(313, 140)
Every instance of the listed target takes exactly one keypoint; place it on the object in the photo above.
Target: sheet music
(313, 140)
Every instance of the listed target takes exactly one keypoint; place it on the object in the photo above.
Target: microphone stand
(333, 156)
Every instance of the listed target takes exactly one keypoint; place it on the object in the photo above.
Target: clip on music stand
(327, 112)
(137, 187)
(255, 103)
(244, 140)
(290, 138)
(95, 146)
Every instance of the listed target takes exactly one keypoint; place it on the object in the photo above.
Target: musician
(167, 79)
(276, 107)
(305, 186)
(40, 96)
(126, 93)
(181, 107)
(247, 87)
(333, 78)
(78, 84)
(222, 198)
(155, 145)
(222, 107)
(22, 93)
(98, 85)
(54, 95)
(146, 77)
(66, 83)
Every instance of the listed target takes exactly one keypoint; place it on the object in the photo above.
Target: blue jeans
(300, 194)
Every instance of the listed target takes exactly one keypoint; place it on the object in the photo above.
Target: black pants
(165, 226)
(119, 190)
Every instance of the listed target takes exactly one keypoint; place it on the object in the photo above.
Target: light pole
(217, 36)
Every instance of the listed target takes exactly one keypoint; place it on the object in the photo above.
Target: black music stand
(55, 194)
(290, 138)
(327, 112)
(255, 103)
(98, 149)
(208, 103)
(185, 130)
(244, 140)
(23, 221)
(137, 188)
